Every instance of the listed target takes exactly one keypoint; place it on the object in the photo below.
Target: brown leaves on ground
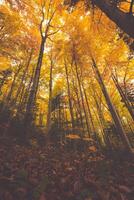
(55, 173)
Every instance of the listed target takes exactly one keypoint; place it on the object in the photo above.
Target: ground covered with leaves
(56, 172)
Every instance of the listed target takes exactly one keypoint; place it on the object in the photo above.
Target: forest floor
(54, 172)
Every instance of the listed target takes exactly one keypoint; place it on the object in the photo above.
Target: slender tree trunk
(2, 82)
(112, 109)
(41, 118)
(24, 97)
(23, 77)
(9, 96)
(123, 96)
(100, 123)
(50, 97)
(21, 95)
(81, 94)
(65, 122)
(79, 109)
(88, 107)
(131, 7)
(59, 114)
(33, 92)
(69, 96)
(102, 120)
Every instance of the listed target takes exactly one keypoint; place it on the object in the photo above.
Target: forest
(66, 99)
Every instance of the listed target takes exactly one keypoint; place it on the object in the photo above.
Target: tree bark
(101, 119)
(123, 96)
(24, 98)
(69, 96)
(123, 20)
(88, 107)
(112, 109)
(131, 7)
(23, 77)
(33, 92)
(9, 96)
(81, 95)
(50, 97)
(2, 82)
(79, 109)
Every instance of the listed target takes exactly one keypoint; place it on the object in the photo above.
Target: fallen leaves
(124, 188)
(42, 197)
(52, 173)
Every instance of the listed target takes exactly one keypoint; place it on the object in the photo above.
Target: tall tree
(123, 20)
(123, 96)
(111, 107)
(48, 125)
(48, 12)
(69, 94)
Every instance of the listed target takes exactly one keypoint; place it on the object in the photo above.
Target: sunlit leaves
(84, 32)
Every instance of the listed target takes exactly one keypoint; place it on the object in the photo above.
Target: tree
(123, 20)
(5, 74)
(91, 104)
(69, 94)
(50, 9)
(48, 125)
(112, 109)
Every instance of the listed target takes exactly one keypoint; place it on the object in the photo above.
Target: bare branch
(43, 17)
(53, 33)
(49, 23)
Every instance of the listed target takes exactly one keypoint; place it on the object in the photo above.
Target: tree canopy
(66, 99)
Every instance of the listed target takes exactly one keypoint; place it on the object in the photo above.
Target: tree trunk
(81, 95)
(79, 109)
(131, 7)
(2, 82)
(23, 100)
(88, 107)
(112, 109)
(41, 118)
(101, 120)
(9, 96)
(23, 77)
(123, 20)
(69, 96)
(33, 92)
(123, 96)
(50, 97)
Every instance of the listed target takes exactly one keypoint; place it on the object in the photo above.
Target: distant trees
(61, 71)
(4, 76)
